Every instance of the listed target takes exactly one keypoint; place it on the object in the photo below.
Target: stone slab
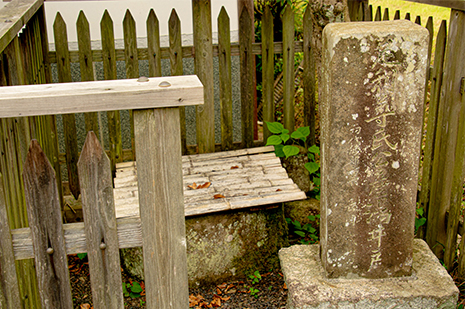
(430, 286)
(372, 91)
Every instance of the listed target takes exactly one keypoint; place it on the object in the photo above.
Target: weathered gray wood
(86, 65)
(44, 214)
(16, 16)
(161, 205)
(174, 26)
(247, 79)
(446, 138)
(132, 59)
(9, 290)
(309, 77)
(69, 121)
(97, 96)
(202, 27)
(267, 70)
(187, 52)
(100, 225)
(109, 71)
(288, 68)
(224, 66)
(153, 44)
(433, 110)
(453, 4)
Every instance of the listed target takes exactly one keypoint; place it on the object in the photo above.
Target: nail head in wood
(143, 79)
(50, 251)
(103, 246)
(164, 84)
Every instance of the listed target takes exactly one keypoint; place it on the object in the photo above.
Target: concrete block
(429, 286)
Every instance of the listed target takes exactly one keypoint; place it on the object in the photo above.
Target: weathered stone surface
(430, 286)
(226, 245)
(371, 116)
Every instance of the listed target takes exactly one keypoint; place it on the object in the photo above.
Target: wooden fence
(160, 229)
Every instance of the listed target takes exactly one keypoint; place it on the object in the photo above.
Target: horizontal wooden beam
(14, 16)
(97, 96)
(187, 52)
(453, 4)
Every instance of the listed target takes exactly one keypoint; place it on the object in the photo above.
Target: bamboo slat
(247, 78)
(397, 14)
(109, 72)
(267, 70)
(86, 65)
(386, 14)
(309, 77)
(153, 44)
(44, 214)
(162, 207)
(203, 60)
(69, 120)
(224, 67)
(174, 26)
(378, 14)
(288, 68)
(100, 222)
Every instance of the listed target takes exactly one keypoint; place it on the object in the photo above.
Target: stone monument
(371, 109)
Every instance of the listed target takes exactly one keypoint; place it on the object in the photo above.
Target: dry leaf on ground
(217, 196)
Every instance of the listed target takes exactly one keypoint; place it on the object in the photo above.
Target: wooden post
(247, 79)
(176, 66)
(44, 214)
(288, 68)
(87, 66)
(109, 71)
(100, 225)
(69, 121)
(201, 17)
(153, 44)
(161, 202)
(9, 289)
(309, 76)
(446, 138)
(267, 71)
(224, 66)
(434, 108)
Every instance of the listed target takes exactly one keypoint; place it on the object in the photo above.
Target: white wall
(94, 10)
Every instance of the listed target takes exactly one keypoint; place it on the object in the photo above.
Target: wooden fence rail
(156, 104)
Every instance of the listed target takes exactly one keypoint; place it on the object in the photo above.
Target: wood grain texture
(309, 78)
(44, 214)
(100, 225)
(446, 138)
(432, 124)
(288, 68)
(9, 289)
(109, 72)
(162, 207)
(224, 67)
(267, 71)
(203, 60)
(153, 44)
(174, 27)
(96, 96)
(86, 66)
(17, 14)
(69, 121)
(247, 79)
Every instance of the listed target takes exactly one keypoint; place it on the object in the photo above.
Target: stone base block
(430, 286)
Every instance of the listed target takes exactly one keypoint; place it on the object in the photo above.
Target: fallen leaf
(279, 190)
(218, 291)
(204, 186)
(285, 286)
(234, 167)
(222, 286)
(85, 306)
(225, 298)
(193, 186)
(217, 196)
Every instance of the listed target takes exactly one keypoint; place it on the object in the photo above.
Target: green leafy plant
(81, 256)
(307, 231)
(285, 145)
(256, 277)
(420, 220)
(254, 292)
(132, 290)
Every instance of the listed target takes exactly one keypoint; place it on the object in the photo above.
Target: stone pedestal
(429, 286)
